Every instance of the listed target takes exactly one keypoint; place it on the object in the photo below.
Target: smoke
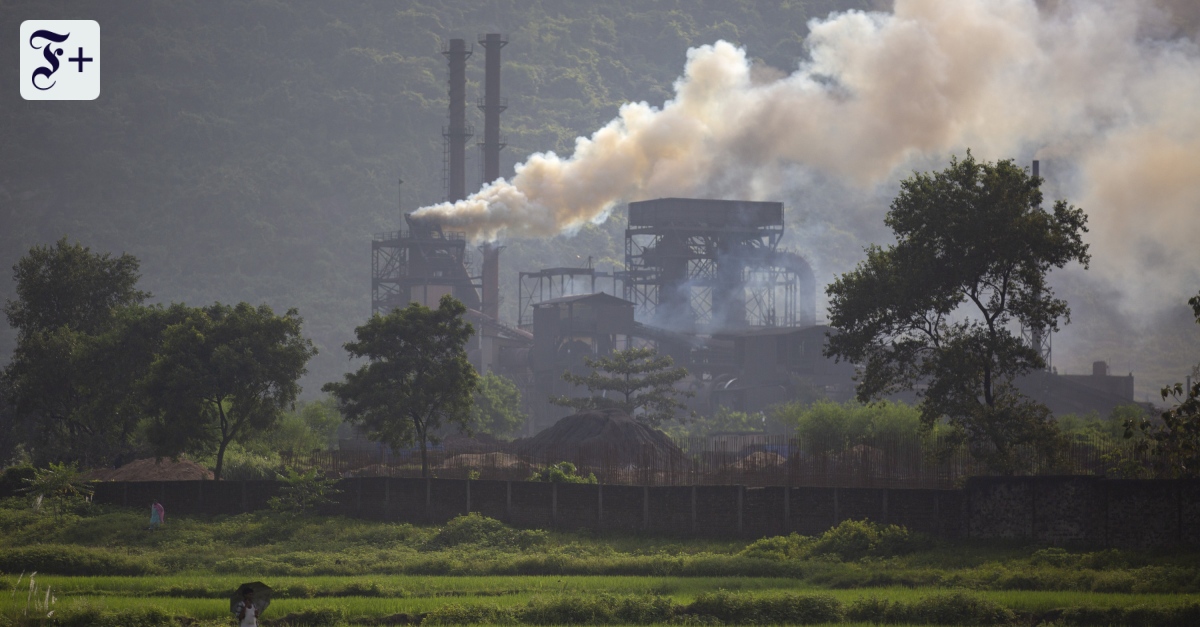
(1109, 88)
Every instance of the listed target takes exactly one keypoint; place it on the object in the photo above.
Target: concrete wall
(1045, 510)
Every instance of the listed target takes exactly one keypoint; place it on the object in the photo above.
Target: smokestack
(458, 132)
(492, 104)
(1036, 167)
(491, 280)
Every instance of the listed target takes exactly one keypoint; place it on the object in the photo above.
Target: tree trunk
(220, 460)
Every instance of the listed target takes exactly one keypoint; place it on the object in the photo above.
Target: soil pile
(604, 436)
(482, 461)
(151, 469)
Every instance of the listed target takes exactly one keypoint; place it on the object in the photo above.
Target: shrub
(313, 617)
(303, 492)
(562, 472)
(15, 479)
(56, 559)
(748, 609)
(856, 539)
(779, 548)
(92, 616)
(955, 608)
(474, 529)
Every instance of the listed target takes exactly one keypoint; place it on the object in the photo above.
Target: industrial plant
(704, 281)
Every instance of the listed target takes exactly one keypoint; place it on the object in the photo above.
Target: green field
(102, 567)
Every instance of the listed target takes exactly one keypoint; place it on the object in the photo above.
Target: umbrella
(262, 597)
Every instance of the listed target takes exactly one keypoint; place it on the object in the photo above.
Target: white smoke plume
(1111, 87)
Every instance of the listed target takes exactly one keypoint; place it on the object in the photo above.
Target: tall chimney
(492, 104)
(491, 280)
(458, 132)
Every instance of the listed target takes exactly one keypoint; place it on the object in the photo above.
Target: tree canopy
(938, 308)
(638, 381)
(417, 376)
(497, 408)
(68, 381)
(223, 373)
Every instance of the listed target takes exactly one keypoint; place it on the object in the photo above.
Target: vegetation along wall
(1050, 510)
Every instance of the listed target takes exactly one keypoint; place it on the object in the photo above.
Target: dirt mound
(151, 469)
(606, 436)
(761, 460)
(502, 461)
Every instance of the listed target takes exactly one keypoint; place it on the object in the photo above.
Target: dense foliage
(416, 379)
(638, 381)
(939, 307)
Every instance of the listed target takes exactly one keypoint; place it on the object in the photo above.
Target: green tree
(497, 408)
(417, 375)
(973, 248)
(60, 484)
(562, 472)
(638, 381)
(303, 492)
(68, 384)
(222, 374)
(1175, 441)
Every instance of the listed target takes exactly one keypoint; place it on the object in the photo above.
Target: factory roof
(598, 296)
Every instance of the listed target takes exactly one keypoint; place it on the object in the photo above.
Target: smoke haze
(1107, 90)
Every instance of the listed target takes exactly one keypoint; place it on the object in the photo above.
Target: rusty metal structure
(551, 283)
(698, 264)
(420, 264)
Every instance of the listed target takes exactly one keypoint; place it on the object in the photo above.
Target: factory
(704, 281)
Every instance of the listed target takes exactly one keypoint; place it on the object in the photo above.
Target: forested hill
(248, 150)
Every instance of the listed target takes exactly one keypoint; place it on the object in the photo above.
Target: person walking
(247, 615)
(158, 515)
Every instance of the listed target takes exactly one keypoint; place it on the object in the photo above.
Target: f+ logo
(43, 75)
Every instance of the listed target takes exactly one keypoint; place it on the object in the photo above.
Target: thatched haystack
(605, 437)
(150, 469)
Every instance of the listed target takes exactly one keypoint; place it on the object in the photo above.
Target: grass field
(101, 567)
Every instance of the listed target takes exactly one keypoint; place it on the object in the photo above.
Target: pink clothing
(162, 513)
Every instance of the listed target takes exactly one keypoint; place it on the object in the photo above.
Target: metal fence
(752, 460)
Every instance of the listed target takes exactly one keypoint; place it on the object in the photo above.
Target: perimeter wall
(1049, 510)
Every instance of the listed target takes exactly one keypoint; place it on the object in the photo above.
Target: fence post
(645, 507)
(787, 508)
(554, 504)
(245, 508)
(885, 506)
(508, 500)
(741, 491)
(837, 514)
(468, 495)
(693, 508)
(125, 494)
(200, 497)
(600, 506)
(358, 498)
(387, 493)
(428, 507)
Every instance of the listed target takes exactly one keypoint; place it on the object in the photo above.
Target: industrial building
(704, 281)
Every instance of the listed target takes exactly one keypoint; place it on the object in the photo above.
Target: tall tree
(638, 381)
(221, 374)
(973, 248)
(63, 383)
(416, 378)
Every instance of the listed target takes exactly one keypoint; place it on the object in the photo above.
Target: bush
(314, 617)
(469, 615)
(15, 479)
(476, 530)
(748, 609)
(562, 472)
(850, 540)
(92, 616)
(956, 608)
(601, 609)
(780, 548)
(56, 559)
(303, 492)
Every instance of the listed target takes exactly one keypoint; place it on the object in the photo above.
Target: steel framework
(549, 283)
(419, 265)
(710, 264)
